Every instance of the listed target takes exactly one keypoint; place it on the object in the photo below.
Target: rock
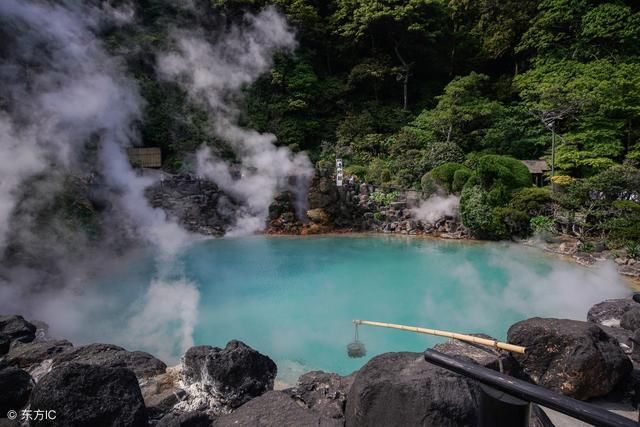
(319, 216)
(162, 393)
(609, 312)
(33, 353)
(571, 357)
(274, 409)
(236, 373)
(15, 388)
(631, 319)
(5, 344)
(17, 329)
(108, 355)
(189, 419)
(623, 336)
(323, 392)
(402, 389)
(482, 355)
(89, 395)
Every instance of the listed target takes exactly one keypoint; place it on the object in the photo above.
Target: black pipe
(530, 392)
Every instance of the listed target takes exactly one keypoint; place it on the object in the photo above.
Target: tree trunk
(406, 73)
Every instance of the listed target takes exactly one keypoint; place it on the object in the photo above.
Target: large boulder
(142, 364)
(89, 395)
(609, 312)
(5, 344)
(17, 329)
(482, 355)
(402, 389)
(274, 409)
(323, 392)
(29, 354)
(571, 357)
(631, 319)
(162, 393)
(234, 374)
(189, 419)
(15, 387)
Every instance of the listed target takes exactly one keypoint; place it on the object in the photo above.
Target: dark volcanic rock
(274, 409)
(86, 395)
(15, 387)
(402, 389)
(574, 358)
(17, 329)
(5, 344)
(141, 363)
(609, 312)
(237, 372)
(33, 353)
(482, 355)
(189, 419)
(324, 393)
(631, 319)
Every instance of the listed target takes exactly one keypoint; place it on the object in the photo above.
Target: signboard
(339, 172)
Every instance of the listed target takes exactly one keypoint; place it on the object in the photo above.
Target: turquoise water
(294, 298)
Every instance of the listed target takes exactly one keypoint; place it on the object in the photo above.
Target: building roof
(536, 166)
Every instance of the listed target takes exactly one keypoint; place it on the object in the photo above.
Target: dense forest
(432, 94)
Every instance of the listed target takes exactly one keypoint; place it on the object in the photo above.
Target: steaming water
(294, 298)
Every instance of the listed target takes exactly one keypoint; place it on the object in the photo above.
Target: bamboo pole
(462, 337)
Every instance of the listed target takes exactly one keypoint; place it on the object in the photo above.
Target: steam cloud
(436, 207)
(213, 74)
(61, 90)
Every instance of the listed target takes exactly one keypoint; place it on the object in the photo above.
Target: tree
(396, 26)
(606, 99)
(463, 113)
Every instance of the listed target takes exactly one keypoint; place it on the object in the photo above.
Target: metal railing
(513, 409)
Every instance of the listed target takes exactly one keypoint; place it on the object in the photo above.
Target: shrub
(479, 216)
(428, 184)
(378, 172)
(633, 249)
(384, 199)
(439, 153)
(356, 170)
(542, 224)
(444, 174)
(532, 200)
(460, 178)
(511, 173)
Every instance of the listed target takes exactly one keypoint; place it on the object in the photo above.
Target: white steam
(436, 207)
(213, 74)
(61, 91)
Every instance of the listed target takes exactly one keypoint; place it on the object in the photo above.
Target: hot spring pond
(294, 298)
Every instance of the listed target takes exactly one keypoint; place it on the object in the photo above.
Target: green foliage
(493, 170)
(357, 170)
(463, 113)
(542, 224)
(633, 249)
(534, 201)
(378, 172)
(478, 214)
(460, 178)
(440, 153)
(486, 201)
(384, 199)
(444, 175)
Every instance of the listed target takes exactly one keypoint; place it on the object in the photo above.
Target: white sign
(339, 172)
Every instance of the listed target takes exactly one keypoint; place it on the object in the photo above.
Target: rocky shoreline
(103, 384)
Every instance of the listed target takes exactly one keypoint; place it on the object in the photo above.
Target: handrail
(530, 392)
